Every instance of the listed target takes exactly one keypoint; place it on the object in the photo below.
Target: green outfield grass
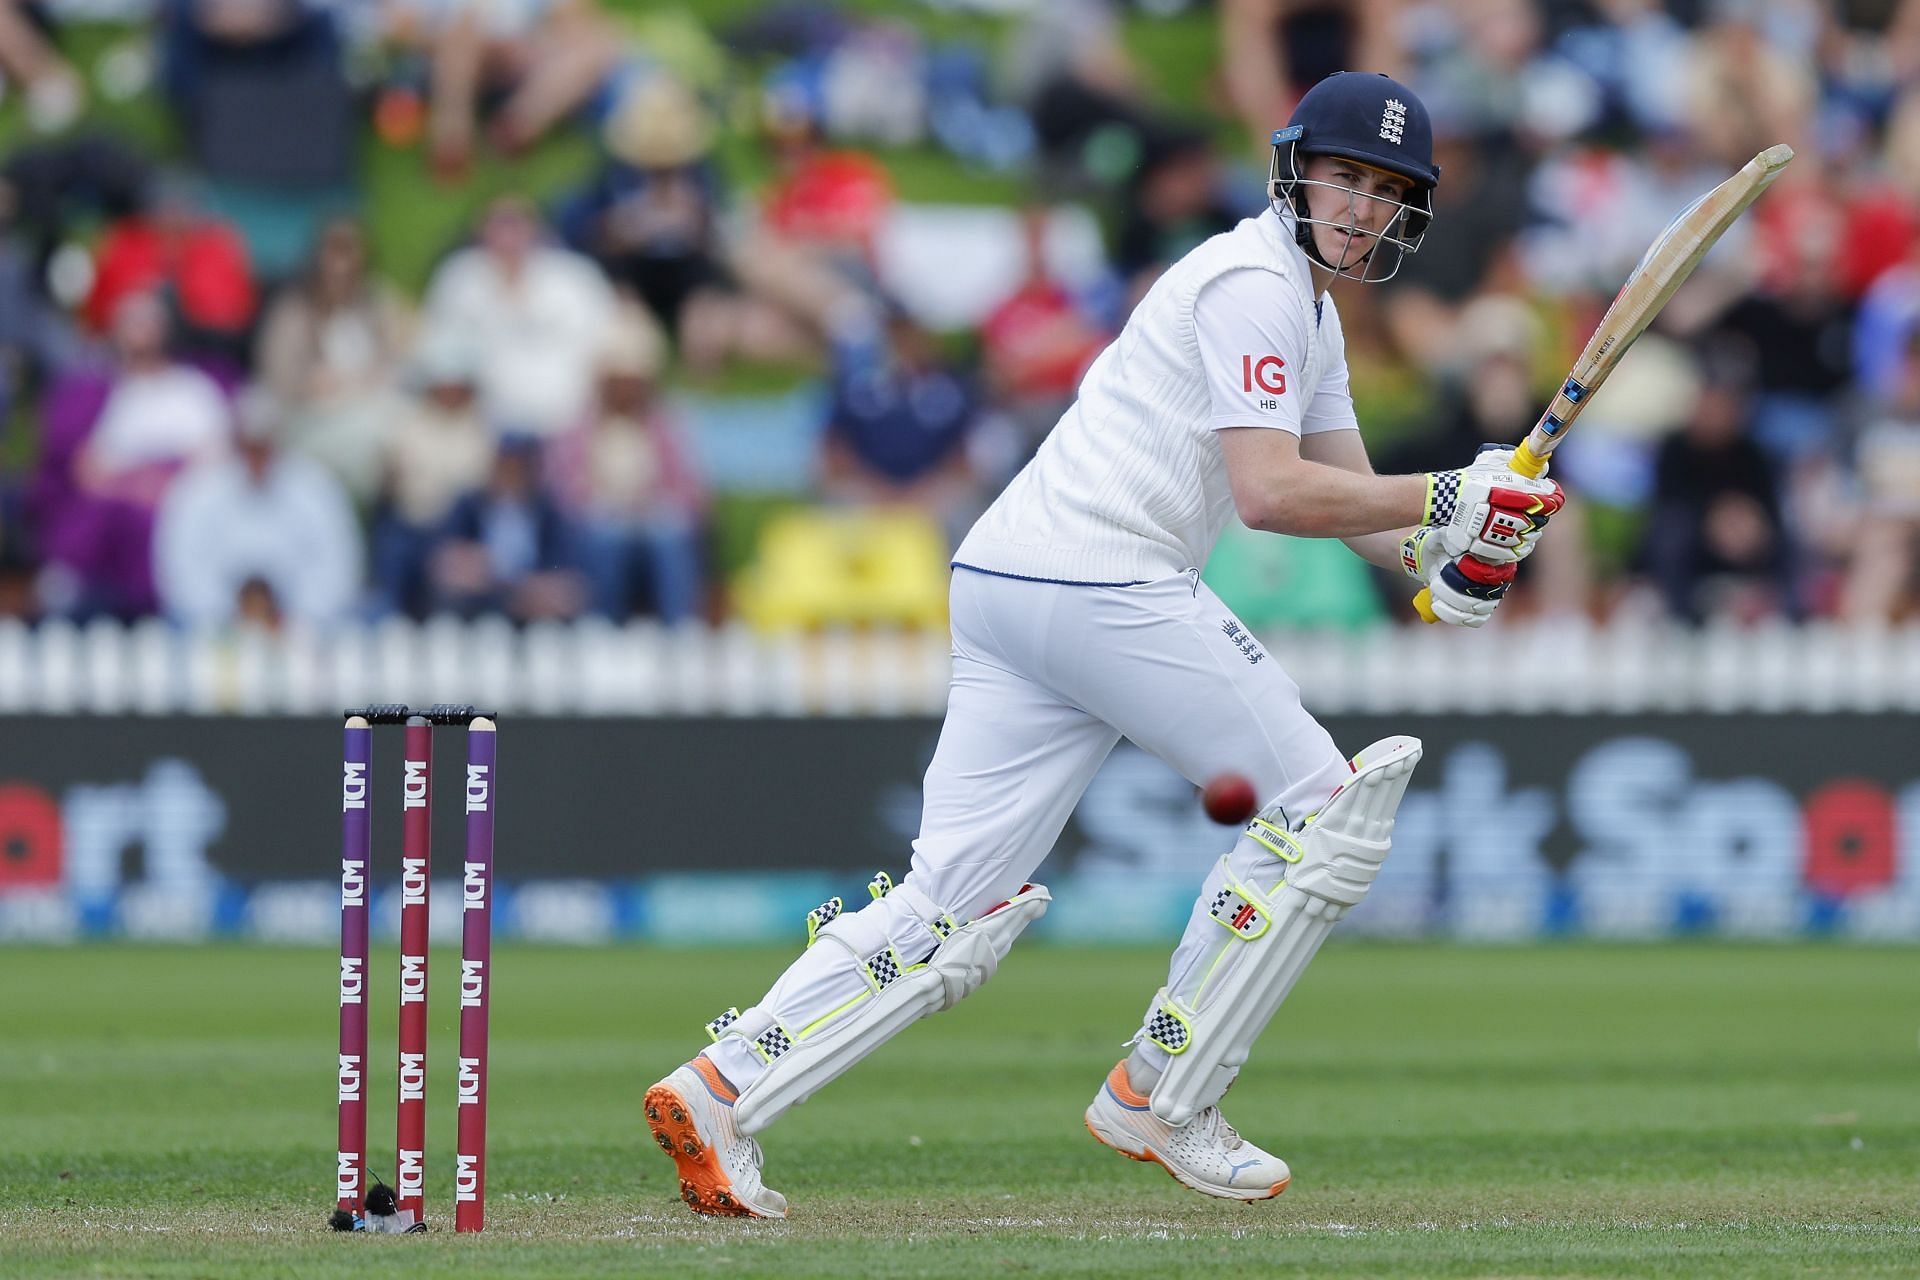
(1567, 1110)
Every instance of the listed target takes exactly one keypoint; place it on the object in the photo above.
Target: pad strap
(1167, 1026)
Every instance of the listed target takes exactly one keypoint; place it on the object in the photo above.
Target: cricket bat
(1662, 269)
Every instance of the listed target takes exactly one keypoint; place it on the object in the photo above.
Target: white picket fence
(593, 668)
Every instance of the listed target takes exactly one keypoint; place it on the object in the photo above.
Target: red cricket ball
(1229, 799)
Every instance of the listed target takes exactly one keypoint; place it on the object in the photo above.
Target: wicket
(352, 1208)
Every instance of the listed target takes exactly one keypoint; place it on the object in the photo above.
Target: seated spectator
(257, 533)
(1880, 581)
(650, 218)
(440, 448)
(1271, 52)
(199, 261)
(113, 438)
(624, 478)
(1176, 201)
(329, 351)
(1037, 343)
(1796, 320)
(1467, 247)
(829, 202)
(57, 192)
(898, 427)
(507, 548)
(539, 60)
(247, 75)
(1071, 68)
(1716, 543)
(532, 313)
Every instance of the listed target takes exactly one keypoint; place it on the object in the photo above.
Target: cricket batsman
(1079, 616)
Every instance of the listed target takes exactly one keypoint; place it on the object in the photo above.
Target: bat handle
(1527, 463)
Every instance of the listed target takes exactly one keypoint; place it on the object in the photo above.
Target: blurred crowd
(218, 408)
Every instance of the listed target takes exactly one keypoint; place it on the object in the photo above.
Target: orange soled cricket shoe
(1205, 1153)
(690, 1114)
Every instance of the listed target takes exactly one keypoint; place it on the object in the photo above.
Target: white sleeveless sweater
(1131, 484)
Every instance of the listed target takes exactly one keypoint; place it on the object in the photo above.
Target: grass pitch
(1562, 1110)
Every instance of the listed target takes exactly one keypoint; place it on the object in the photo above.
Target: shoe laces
(1216, 1125)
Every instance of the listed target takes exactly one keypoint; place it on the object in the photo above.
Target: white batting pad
(801, 1061)
(1272, 934)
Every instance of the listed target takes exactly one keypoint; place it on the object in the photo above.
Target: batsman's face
(1358, 200)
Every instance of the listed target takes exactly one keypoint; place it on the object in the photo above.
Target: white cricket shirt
(1131, 485)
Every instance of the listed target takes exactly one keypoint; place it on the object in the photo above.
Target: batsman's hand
(1498, 458)
(1490, 512)
(1460, 590)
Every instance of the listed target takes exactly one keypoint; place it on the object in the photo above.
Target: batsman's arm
(1278, 490)
(1346, 451)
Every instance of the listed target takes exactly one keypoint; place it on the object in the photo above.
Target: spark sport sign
(1514, 826)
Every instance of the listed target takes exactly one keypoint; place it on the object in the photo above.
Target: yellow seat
(814, 568)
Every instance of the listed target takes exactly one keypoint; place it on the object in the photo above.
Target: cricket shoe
(1204, 1153)
(691, 1116)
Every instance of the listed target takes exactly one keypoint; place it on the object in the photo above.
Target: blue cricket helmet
(1371, 118)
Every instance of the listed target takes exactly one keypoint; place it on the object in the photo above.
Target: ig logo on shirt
(1264, 373)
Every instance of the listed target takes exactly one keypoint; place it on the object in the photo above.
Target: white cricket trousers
(1047, 677)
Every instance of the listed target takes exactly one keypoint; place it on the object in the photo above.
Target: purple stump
(355, 846)
(476, 959)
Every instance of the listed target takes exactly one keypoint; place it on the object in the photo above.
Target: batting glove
(1464, 592)
(1495, 515)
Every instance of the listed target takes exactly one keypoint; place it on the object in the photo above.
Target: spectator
(1175, 203)
(58, 191)
(329, 351)
(1071, 67)
(441, 448)
(1879, 584)
(1272, 52)
(539, 60)
(651, 217)
(257, 533)
(532, 313)
(507, 548)
(199, 261)
(1478, 210)
(1037, 343)
(624, 477)
(899, 424)
(246, 75)
(1715, 541)
(830, 202)
(1746, 92)
(1796, 321)
(113, 438)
